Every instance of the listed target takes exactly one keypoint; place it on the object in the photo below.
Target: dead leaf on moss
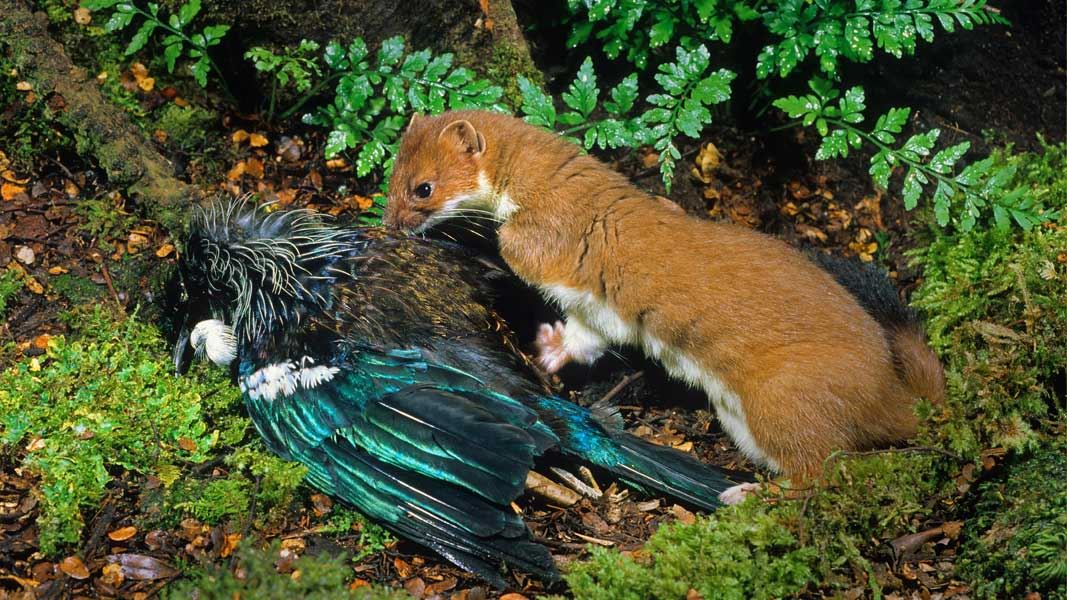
(187, 444)
(706, 162)
(257, 140)
(23, 86)
(165, 250)
(336, 164)
(239, 136)
(146, 83)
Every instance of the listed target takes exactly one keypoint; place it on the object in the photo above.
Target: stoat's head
(439, 173)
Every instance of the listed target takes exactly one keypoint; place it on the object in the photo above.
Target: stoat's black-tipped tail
(916, 363)
(648, 466)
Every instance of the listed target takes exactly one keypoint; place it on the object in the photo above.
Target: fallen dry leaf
(74, 567)
(112, 575)
(415, 586)
(236, 172)
(41, 342)
(25, 255)
(229, 544)
(257, 140)
(9, 176)
(82, 16)
(136, 242)
(165, 250)
(187, 444)
(336, 163)
(254, 167)
(683, 515)
(8, 191)
(146, 83)
(403, 568)
(239, 136)
(141, 567)
(23, 86)
(513, 596)
(138, 70)
(35, 444)
(321, 504)
(33, 285)
(122, 534)
(57, 270)
(358, 583)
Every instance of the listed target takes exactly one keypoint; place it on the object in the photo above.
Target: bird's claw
(551, 355)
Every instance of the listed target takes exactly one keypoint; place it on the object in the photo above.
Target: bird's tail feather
(644, 464)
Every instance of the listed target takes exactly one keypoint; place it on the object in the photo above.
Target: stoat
(797, 361)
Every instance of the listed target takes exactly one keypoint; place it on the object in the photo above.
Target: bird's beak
(182, 350)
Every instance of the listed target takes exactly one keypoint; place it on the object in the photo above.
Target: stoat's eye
(423, 190)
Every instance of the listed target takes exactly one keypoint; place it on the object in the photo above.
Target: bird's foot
(551, 354)
(738, 493)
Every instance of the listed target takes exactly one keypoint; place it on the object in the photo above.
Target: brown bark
(103, 131)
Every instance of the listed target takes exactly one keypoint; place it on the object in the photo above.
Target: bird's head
(246, 269)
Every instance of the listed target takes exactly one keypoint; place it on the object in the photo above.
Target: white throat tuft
(216, 339)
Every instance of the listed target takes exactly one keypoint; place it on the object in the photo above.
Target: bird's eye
(424, 190)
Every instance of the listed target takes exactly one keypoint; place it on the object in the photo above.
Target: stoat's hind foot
(738, 493)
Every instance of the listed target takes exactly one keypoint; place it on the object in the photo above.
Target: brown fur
(814, 372)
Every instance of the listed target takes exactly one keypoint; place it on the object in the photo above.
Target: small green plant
(851, 29)
(679, 107)
(179, 38)
(295, 67)
(963, 197)
(373, 97)
(322, 577)
(103, 219)
(372, 538)
(830, 31)
(639, 27)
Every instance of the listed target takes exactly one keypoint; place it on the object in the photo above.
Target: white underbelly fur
(599, 317)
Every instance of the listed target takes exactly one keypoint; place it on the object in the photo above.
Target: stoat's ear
(470, 140)
(414, 118)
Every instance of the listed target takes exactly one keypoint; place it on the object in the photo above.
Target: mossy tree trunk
(102, 131)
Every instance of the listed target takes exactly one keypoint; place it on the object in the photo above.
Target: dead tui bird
(378, 364)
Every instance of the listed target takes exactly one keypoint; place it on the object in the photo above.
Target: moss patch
(1017, 543)
(310, 577)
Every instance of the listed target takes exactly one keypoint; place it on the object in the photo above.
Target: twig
(621, 386)
(111, 287)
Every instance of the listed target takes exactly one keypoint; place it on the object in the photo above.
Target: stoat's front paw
(550, 353)
(738, 493)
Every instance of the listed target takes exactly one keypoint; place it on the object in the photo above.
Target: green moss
(103, 218)
(186, 127)
(10, 285)
(1017, 543)
(996, 305)
(504, 67)
(320, 577)
(94, 407)
(75, 289)
(739, 552)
